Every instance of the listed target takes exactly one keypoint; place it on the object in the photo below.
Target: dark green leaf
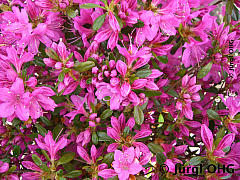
(61, 76)
(73, 174)
(46, 155)
(94, 138)
(84, 66)
(67, 157)
(163, 59)
(205, 70)
(196, 160)
(45, 168)
(106, 113)
(148, 93)
(12, 169)
(57, 131)
(38, 61)
(90, 6)
(143, 73)
(175, 47)
(36, 160)
(139, 24)
(155, 148)
(46, 121)
(126, 131)
(16, 151)
(99, 22)
(212, 114)
(138, 115)
(52, 54)
(102, 136)
(172, 93)
(108, 158)
(161, 158)
(41, 130)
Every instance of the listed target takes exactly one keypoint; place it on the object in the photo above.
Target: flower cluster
(110, 89)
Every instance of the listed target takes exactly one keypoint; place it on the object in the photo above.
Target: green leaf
(52, 54)
(46, 121)
(99, 22)
(160, 157)
(176, 46)
(73, 174)
(143, 73)
(205, 70)
(213, 114)
(138, 115)
(106, 113)
(160, 120)
(71, 13)
(90, 6)
(84, 66)
(16, 151)
(162, 59)
(119, 21)
(102, 136)
(56, 131)
(126, 131)
(67, 157)
(38, 61)
(61, 76)
(45, 168)
(196, 160)
(46, 155)
(148, 93)
(94, 138)
(139, 24)
(36, 160)
(68, 167)
(12, 169)
(172, 93)
(155, 148)
(41, 130)
(108, 158)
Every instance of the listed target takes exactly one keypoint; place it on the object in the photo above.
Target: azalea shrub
(128, 90)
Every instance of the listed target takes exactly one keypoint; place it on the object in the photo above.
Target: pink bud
(32, 82)
(121, 67)
(207, 137)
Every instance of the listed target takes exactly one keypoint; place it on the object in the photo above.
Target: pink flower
(84, 137)
(116, 133)
(125, 163)
(51, 145)
(3, 167)
(15, 60)
(40, 98)
(207, 137)
(188, 94)
(14, 101)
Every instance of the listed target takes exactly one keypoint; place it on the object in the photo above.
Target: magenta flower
(14, 102)
(217, 153)
(15, 60)
(51, 145)
(188, 94)
(3, 167)
(116, 133)
(124, 164)
(37, 174)
(78, 102)
(40, 98)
